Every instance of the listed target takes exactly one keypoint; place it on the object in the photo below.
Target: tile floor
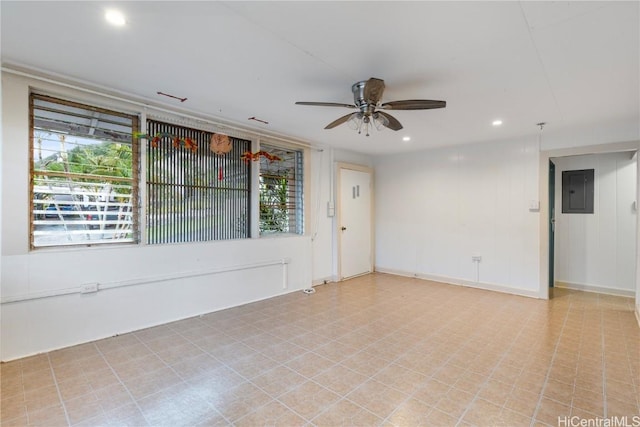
(376, 350)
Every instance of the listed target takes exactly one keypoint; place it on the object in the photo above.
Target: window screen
(84, 174)
(194, 194)
(281, 191)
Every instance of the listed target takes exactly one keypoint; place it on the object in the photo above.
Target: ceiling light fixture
(115, 17)
(406, 138)
(497, 122)
(363, 121)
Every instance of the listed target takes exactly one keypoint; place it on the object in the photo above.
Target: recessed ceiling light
(497, 122)
(115, 17)
(406, 138)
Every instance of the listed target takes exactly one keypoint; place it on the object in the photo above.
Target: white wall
(436, 209)
(637, 241)
(179, 280)
(598, 251)
(323, 228)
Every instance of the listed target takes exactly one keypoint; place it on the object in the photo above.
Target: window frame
(134, 180)
(139, 116)
(191, 128)
(301, 188)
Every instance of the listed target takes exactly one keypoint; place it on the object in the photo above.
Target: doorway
(355, 236)
(548, 247)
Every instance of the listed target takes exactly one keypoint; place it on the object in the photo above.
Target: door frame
(359, 168)
(552, 222)
(543, 188)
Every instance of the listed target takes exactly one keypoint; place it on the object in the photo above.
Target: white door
(354, 225)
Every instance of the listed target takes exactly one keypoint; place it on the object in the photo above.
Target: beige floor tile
(522, 401)
(336, 351)
(283, 352)
(375, 350)
(549, 411)
(177, 409)
(273, 414)
(432, 392)
(35, 364)
(20, 421)
(558, 391)
(410, 413)
(42, 398)
(145, 385)
(35, 380)
(309, 399)
(253, 365)
(171, 354)
(455, 402)
(378, 398)
(236, 402)
(51, 416)
(12, 408)
(619, 408)
(496, 392)
(365, 363)
(279, 380)
(401, 378)
(309, 364)
(439, 418)
(346, 413)
(197, 366)
(340, 379)
(482, 412)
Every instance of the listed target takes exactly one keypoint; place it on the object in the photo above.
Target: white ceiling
(574, 65)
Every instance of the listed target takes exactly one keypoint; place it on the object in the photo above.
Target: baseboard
(322, 281)
(461, 282)
(596, 289)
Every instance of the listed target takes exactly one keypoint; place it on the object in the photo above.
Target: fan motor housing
(366, 106)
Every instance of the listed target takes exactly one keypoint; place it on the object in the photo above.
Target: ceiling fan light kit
(366, 99)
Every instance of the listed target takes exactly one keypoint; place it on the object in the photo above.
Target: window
(281, 207)
(577, 191)
(192, 193)
(84, 174)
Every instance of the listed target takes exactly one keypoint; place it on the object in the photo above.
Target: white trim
(323, 281)
(460, 282)
(596, 289)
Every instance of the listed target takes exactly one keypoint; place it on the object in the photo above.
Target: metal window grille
(84, 174)
(281, 191)
(195, 195)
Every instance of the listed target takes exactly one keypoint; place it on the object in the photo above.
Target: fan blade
(373, 90)
(339, 121)
(413, 104)
(326, 104)
(391, 122)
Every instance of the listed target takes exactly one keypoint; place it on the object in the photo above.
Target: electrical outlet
(88, 288)
(476, 258)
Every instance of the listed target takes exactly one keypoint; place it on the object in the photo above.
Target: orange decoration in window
(220, 144)
(248, 156)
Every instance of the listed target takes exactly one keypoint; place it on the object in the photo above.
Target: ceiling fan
(366, 98)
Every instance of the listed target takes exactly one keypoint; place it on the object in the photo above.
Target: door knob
(343, 228)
